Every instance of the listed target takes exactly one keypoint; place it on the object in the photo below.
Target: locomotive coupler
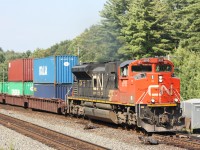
(164, 119)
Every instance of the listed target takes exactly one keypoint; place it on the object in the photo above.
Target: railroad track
(179, 140)
(46, 136)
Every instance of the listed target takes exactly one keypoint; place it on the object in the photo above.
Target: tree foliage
(188, 63)
(186, 28)
(188, 25)
(145, 30)
(5, 57)
(61, 48)
(94, 44)
(112, 14)
(159, 27)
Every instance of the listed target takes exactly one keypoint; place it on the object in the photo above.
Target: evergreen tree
(186, 22)
(112, 13)
(145, 30)
(188, 25)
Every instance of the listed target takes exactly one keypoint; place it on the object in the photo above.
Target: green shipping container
(28, 88)
(20, 88)
(1, 87)
(4, 87)
(15, 88)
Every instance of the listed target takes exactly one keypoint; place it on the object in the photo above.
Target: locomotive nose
(161, 89)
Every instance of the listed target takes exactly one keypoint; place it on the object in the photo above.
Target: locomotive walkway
(48, 137)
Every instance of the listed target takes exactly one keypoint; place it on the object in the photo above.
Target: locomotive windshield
(142, 68)
(163, 68)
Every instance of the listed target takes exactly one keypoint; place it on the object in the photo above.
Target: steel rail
(48, 137)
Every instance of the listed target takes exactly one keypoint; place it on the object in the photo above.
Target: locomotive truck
(144, 93)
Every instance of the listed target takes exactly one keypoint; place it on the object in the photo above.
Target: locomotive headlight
(152, 100)
(176, 100)
(160, 78)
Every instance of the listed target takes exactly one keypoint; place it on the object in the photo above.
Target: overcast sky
(30, 24)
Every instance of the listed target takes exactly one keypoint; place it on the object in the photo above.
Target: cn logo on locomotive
(161, 89)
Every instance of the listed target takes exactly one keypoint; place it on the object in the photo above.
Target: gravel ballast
(12, 140)
(108, 137)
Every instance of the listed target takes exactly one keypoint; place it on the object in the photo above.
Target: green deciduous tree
(61, 48)
(2, 57)
(1, 50)
(5, 57)
(186, 23)
(38, 53)
(188, 63)
(93, 44)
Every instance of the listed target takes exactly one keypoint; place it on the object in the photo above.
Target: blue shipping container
(54, 69)
(52, 90)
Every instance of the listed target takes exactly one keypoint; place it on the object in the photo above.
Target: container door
(195, 117)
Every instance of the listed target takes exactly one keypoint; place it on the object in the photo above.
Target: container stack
(52, 76)
(20, 77)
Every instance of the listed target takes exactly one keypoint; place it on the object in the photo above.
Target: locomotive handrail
(66, 99)
(140, 99)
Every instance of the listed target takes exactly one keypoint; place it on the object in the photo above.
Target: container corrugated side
(28, 88)
(64, 65)
(1, 87)
(20, 70)
(54, 69)
(51, 90)
(191, 110)
(15, 88)
(62, 90)
(44, 70)
(28, 69)
(5, 87)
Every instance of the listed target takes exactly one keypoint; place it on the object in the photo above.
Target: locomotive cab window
(142, 68)
(163, 68)
(124, 71)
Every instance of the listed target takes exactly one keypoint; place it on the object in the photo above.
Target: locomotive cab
(149, 81)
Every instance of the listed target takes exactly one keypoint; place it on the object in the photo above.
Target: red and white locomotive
(143, 93)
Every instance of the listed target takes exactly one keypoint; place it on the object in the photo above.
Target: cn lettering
(161, 90)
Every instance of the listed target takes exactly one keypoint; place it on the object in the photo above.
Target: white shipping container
(191, 110)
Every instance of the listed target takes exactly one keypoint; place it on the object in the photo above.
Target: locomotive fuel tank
(101, 114)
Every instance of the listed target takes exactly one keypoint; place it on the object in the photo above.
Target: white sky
(30, 24)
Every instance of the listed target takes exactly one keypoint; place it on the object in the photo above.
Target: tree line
(139, 28)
